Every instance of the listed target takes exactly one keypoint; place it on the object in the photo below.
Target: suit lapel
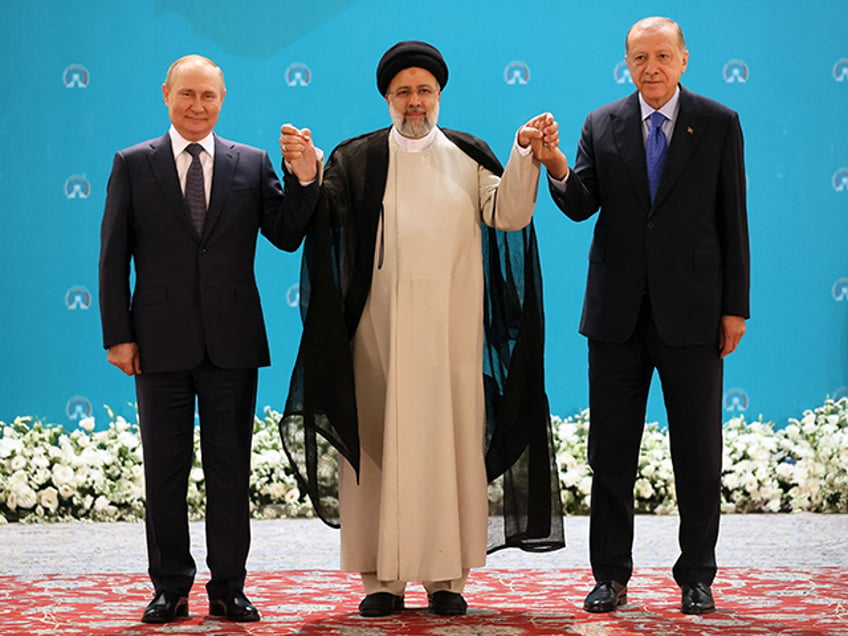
(226, 160)
(626, 125)
(165, 171)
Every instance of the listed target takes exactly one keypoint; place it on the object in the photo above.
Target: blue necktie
(656, 149)
(195, 191)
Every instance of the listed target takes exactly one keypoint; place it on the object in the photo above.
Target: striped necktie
(656, 149)
(195, 190)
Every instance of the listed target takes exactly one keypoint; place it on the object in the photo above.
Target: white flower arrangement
(50, 474)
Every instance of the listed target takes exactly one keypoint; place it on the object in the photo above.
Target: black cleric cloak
(525, 506)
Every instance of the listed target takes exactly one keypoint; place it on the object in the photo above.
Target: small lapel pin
(689, 130)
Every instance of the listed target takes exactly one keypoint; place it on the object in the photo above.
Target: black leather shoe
(165, 607)
(697, 599)
(235, 606)
(446, 603)
(605, 597)
(380, 604)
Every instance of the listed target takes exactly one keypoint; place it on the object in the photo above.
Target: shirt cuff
(522, 151)
(559, 184)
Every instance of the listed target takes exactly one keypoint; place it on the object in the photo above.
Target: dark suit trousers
(226, 402)
(619, 380)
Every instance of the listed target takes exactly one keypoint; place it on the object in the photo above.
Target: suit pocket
(150, 296)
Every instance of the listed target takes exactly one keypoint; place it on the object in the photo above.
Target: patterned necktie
(195, 191)
(656, 149)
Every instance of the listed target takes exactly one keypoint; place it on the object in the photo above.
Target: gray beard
(414, 129)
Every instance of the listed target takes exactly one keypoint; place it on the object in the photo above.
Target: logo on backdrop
(75, 76)
(77, 187)
(622, 74)
(736, 401)
(840, 180)
(517, 73)
(78, 408)
(293, 295)
(298, 75)
(736, 71)
(840, 70)
(77, 298)
(840, 290)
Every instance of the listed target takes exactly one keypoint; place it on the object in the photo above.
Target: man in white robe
(413, 503)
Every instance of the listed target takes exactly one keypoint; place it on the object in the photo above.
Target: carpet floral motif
(501, 603)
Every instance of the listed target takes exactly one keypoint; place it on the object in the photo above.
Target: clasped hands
(299, 152)
(542, 135)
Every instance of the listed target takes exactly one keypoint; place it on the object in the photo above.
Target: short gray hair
(652, 24)
(192, 59)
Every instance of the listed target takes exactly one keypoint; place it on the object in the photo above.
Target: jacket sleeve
(116, 243)
(733, 224)
(579, 200)
(286, 213)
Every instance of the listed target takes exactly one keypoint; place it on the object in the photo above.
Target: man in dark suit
(667, 289)
(193, 327)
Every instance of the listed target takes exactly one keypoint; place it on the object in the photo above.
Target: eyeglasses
(423, 92)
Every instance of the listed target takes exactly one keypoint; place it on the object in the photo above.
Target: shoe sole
(242, 619)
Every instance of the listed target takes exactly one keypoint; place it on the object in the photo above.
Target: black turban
(406, 55)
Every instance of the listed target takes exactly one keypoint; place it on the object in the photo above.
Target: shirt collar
(414, 145)
(179, 143)
(669, 109)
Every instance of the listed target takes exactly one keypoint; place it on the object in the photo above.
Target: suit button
(202, 251)
(651, 225)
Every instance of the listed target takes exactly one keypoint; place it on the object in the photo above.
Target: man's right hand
(299, 152)
(542, 134)
(125, 357)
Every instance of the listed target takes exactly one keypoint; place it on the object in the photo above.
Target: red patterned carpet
(502, 603)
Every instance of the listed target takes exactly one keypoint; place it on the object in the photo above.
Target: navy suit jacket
(193, 295)
(689, 250)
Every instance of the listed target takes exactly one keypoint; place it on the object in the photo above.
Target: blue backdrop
(84, 77)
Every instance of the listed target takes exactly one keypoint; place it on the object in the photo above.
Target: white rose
(277, 491)
(49, 498)
(19, 479)
(62, 474)
(127, 439)
(26, 497)
(9, 445)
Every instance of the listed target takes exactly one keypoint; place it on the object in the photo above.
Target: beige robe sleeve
(507, 203)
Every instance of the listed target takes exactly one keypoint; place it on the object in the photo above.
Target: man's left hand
(730, 333)
(299, 152)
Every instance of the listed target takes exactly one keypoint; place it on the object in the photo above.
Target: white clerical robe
(420, 510)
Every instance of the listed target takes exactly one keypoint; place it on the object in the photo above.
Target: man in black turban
(411, 54)
(421, 356)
